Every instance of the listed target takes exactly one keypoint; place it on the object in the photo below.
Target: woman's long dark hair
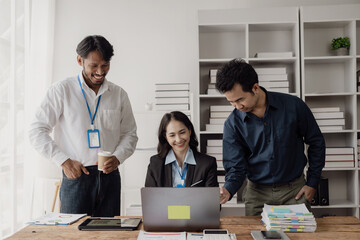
(163, 145)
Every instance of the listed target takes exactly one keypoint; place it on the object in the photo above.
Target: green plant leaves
(341, 42)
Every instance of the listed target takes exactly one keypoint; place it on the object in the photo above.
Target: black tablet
(120, 224)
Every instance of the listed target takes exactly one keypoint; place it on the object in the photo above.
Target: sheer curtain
(38, 191)
(26, 38)
(12, 69)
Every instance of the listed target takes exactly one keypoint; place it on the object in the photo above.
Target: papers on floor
(57, 219)
(288, 218)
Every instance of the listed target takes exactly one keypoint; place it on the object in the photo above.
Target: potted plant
(341, 45)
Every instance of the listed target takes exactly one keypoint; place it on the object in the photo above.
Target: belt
(268, 185)
(275, 185)
(93, 169)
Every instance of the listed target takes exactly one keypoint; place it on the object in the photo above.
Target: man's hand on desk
(308, 191)
(224, 195)
(72, 169)
(110, 165)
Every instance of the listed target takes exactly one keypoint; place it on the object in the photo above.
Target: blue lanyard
(182, 176)
(91, 118)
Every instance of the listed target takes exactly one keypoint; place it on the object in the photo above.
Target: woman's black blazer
(204, 172)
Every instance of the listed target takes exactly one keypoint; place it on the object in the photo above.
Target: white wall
(154, 41)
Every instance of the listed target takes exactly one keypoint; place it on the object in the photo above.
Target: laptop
(180, 209)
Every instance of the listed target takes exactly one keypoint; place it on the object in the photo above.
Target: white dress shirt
(64, 111)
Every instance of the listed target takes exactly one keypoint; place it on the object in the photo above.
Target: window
(12, 68)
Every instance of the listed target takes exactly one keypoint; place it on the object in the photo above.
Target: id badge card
(93, 138)
(182, 183)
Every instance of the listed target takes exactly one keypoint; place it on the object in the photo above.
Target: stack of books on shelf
(339, 157)
(214, 149)
(172, 96)
(329, 118)
(274, 55)
(288, 218)
(211, 86)
(273, 79)
(218, 115)
(221, 179)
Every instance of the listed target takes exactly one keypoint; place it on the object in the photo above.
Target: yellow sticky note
(178, 212)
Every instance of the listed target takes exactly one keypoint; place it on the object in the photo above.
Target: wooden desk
(327, 228)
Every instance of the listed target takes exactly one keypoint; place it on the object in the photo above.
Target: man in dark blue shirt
(264, 141)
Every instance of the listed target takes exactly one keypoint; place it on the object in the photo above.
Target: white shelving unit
(241, 33)
(329, 80)
(324, 80)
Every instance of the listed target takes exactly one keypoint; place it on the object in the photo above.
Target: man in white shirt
(88, 114)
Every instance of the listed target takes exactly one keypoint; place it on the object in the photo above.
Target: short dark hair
(236, 71)
(98, 43)
(163, 145)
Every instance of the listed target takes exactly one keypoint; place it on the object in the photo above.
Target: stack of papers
(57, 219)
(288, 218)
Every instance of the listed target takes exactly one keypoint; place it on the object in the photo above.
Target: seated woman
(178, 163)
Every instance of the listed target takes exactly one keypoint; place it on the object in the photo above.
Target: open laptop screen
(180, 209)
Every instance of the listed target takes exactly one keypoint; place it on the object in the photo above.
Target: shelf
(328, 59)
(278, 60)
(341, 131)
(273, 37)
(207, 132)
(344, 102)
(317, 36)
(329, 76)
(218, 60)
(211, 96)
(156, 112)
(326, 25)
(220, 28)
(222, 41)
(338, 204)
(340, 169)
(272, 27)
(328, 94)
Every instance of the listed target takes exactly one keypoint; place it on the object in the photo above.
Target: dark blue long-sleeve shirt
(270, 150)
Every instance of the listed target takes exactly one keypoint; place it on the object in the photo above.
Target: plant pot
(342, 52)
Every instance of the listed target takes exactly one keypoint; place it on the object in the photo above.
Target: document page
(57, 219)
(161, 236)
